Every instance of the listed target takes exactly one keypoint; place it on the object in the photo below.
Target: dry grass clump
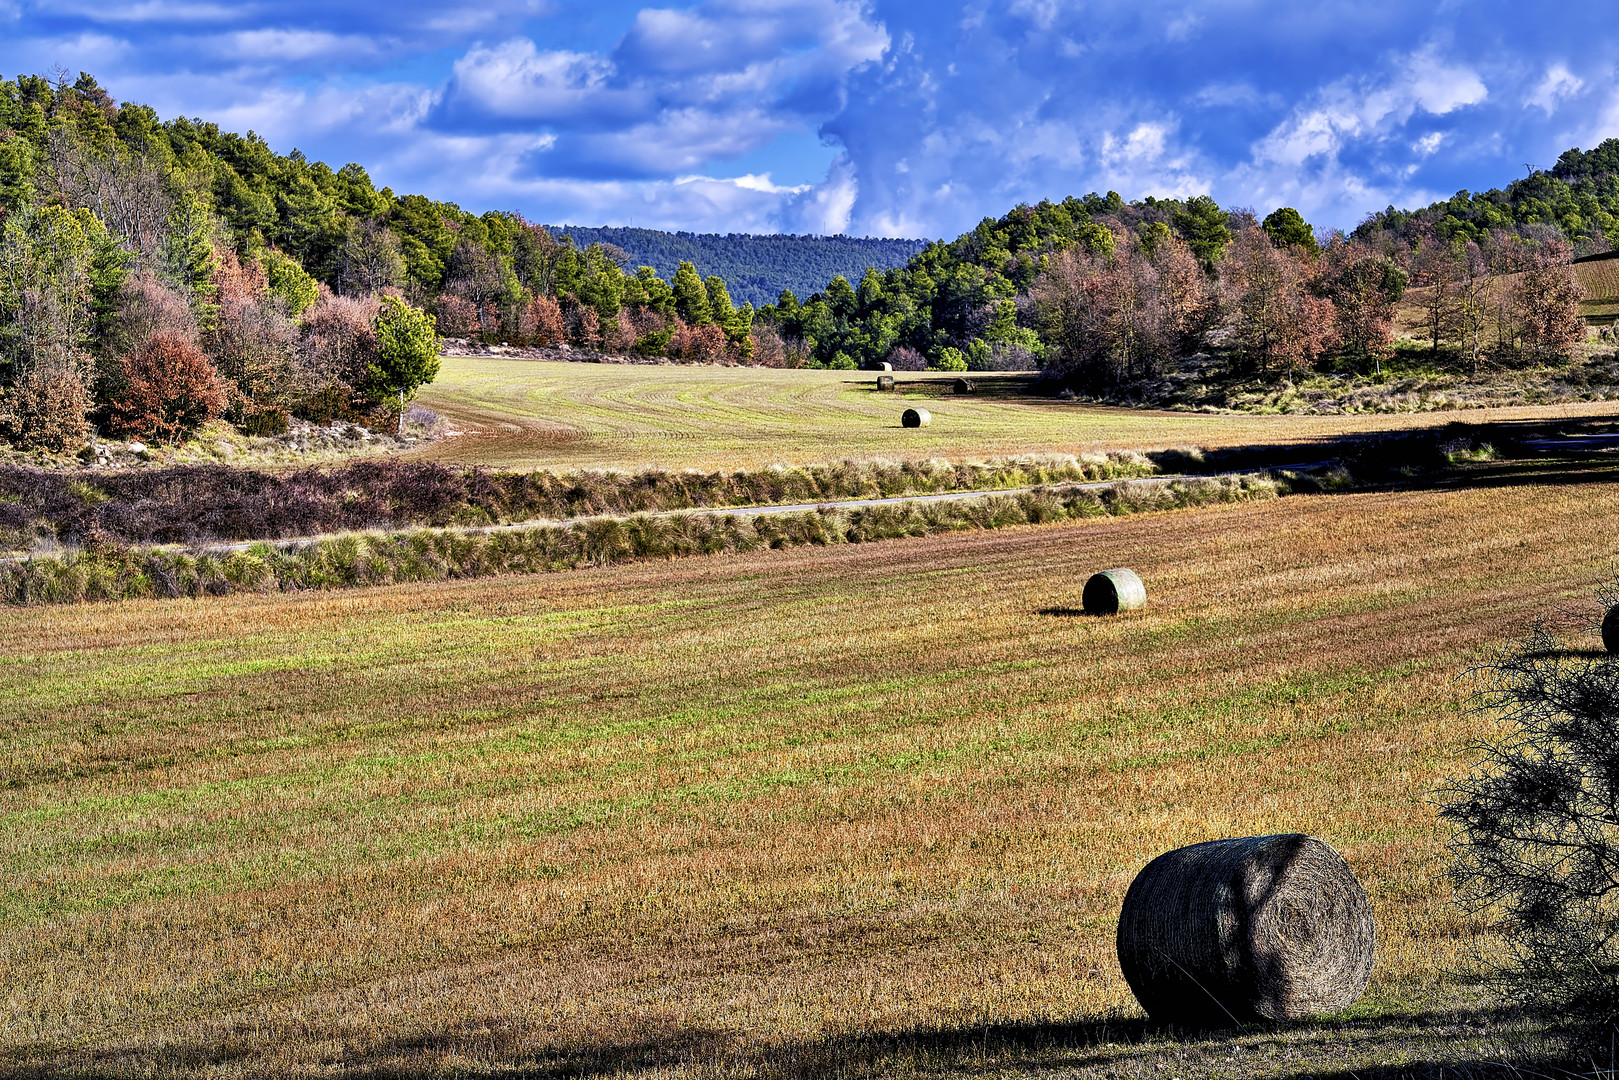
(110, 572)
(194, 504)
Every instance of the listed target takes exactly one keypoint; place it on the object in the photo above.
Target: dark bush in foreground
(1537, 849)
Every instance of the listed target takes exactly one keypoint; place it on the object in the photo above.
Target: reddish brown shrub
(339, 339)
(768, 350)
(45, 409)
(540, 322)
(253, 342)
(457, 316)
(587, 327)
(171, 389)
(145, 305)
(705, 345)
(905, 358)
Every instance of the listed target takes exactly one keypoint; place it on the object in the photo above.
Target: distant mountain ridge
(756, 267)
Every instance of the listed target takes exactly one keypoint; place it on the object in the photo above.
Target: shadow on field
(1453, 454)
(1063, 612)
(1451, 1044)
(1566, 654)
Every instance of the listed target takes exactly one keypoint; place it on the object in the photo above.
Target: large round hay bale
(964, 386)
(1113, 591)
(1610, 629)
(916, 418)
(885, 382)
(885, 366)
(1256, 928)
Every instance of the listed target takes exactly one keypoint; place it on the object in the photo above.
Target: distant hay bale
(964, 386)
(1610, 629)
(885, 366)
(885, 382)
(1256, 928)
(916, 418)
(1113, 591)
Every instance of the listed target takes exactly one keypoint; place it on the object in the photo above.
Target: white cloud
(1358, 109)
(1428, 143)
(1144, 144)
(150, 11)
(278, 44)
(1559, 85)
(1183, 27)
(515, 80)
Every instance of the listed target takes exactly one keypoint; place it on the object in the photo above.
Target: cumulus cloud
(898, 117)
(1360, 108)
(1558, 85)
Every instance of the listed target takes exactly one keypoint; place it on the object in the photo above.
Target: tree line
(1104, 293)
(155, 275)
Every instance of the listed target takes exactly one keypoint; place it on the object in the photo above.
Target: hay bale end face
(916, 418)
(1610, 629)
(1256, 928)
(1113, 591)
(885, 382)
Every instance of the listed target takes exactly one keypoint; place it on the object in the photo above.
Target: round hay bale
(1610, 629)
(885, 382)
(916, 418)
(885, 366)
(1256, 928)
(964, 386)
(1113, 591)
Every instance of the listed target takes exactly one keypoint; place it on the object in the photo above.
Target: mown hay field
(529, 414)
(864, 810)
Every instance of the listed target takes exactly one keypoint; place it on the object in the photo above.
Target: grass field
(533, 413)
(858, 811)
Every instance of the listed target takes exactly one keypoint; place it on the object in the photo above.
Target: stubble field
(866, 810)
(532, 414)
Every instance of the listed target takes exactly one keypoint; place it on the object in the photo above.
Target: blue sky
(875, 117)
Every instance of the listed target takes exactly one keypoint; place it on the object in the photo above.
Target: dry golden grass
(853, 811)
(530, 413)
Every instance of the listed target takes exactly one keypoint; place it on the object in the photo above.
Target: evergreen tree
(691, 298)
(407, 352)
(1286, 227)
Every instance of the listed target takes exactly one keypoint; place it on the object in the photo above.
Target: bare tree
(369, 261)
(1279, 321)
(127, 191)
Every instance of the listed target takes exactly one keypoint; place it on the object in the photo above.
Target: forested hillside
(755, 267)
(1578, 197)
(1106, 294)
(157, 275)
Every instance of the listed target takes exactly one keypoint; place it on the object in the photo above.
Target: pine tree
(691, 298)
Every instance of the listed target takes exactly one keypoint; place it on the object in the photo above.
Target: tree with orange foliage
(541, 322)
(1280, 322)
(171, 389)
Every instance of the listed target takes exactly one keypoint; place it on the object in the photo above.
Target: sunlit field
(530, 414)
(848, 811)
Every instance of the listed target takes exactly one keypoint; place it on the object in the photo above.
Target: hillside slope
(755, 268)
